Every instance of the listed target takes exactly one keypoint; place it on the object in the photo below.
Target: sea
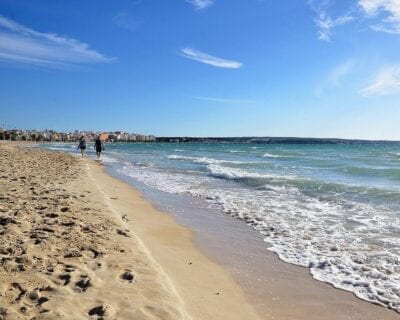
(332, 208)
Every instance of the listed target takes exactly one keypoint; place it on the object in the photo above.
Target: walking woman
(82, 145)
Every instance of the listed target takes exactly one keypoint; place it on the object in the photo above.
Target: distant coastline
(121, 136)
(268, 140)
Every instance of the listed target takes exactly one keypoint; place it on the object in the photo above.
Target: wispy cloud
(339, 72)
(326, 24)
(126, 21)
(225, 100)
(20, 44)
(206, 58)
(378, 15)
(335, 77)
(201, 4)
(386, 11)
(386, 82)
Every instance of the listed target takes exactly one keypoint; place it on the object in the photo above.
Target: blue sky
(203, 67)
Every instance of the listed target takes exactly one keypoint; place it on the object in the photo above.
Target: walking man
(98, 145)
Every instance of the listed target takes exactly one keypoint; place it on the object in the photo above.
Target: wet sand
(278, 290)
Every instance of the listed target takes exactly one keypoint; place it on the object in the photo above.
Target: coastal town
(49, 135)
(55, 136)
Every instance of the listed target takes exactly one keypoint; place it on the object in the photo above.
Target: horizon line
(213, 137)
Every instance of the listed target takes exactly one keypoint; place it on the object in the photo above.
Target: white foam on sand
(108, 159)
(351, 245)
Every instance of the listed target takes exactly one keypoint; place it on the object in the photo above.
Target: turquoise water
(332, 208)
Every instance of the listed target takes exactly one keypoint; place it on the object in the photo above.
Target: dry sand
(69, 249)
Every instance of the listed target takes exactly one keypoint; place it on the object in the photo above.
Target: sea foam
(301, 229)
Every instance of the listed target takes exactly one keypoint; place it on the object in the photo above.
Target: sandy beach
(80, 244)
(70, 249)
(199, 160)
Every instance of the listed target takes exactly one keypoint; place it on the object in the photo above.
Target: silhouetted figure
(98, 145)
(82, 145)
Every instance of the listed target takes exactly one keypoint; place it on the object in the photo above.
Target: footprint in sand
(123, 232)
(98, 311)
(83, 284)
(102, 312)
(127, 276)
(66, 278)
(96, 253)
(51, 215)
(42, 300)
(21, 290)
(7, 220)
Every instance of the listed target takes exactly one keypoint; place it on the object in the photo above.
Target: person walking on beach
(82, 145)
(98, 145)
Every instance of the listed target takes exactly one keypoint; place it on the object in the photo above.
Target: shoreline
(277, 289)
(196, 277)
(175, 273)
